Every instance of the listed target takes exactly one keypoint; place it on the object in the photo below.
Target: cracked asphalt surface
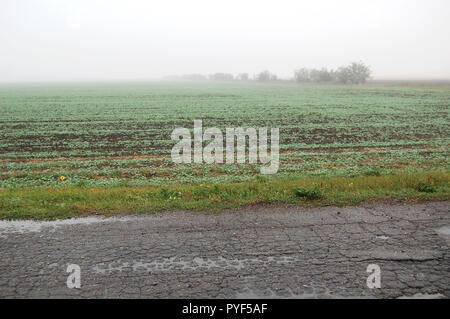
(266, 252)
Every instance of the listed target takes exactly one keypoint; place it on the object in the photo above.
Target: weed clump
(373, 172)
(167, 194)
(425, 188)
(310, 194)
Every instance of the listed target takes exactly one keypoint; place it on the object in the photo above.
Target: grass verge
(71, 201)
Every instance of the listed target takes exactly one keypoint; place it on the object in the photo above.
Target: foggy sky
(53, 40)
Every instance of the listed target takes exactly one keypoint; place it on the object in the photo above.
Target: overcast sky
(52, 40)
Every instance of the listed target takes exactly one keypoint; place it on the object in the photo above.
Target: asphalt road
(267, 252)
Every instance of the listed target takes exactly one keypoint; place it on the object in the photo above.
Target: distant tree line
(354, 73)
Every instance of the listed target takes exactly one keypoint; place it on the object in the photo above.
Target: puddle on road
(171, 264)
(444, 230)
(31, 226)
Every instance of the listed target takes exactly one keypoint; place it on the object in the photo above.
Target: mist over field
(50, 40)
(233, 149)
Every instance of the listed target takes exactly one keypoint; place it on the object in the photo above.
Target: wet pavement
(256, 252)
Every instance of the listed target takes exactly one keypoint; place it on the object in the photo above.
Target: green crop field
(110, 136)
